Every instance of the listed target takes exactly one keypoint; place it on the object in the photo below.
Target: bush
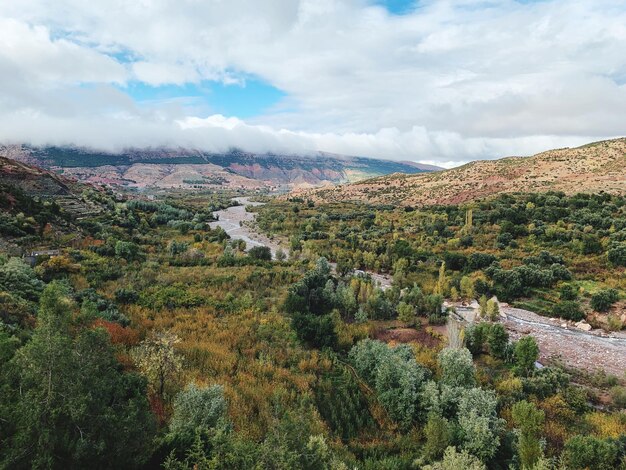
(603, 300)
(568, 310)
(262, 253)
(617, 255)
(568, 292)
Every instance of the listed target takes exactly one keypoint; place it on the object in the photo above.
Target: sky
(435, 81)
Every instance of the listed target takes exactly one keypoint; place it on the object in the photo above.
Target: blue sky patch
(398, 7)
(252, 98)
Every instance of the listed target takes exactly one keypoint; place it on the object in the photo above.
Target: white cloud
(453, 80)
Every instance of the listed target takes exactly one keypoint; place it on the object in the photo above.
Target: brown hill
(600, 166)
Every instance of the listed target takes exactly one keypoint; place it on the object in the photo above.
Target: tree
(498, 340)
(406, 313)
(365, 357)
(482, 306)
(467, 287)
(438, 434)
(158, 361)
(442, 282)
(18, 278)
(399, 381)
(529, 420)
(454, 460)
(127, 250)
(569, 310)
(75, 407)
(197, 408)
(617, 255)
(568, 292)
(280, 255)
(588, 452)
(526, 354)
(457, 368)
(479, 423)
(493, 309)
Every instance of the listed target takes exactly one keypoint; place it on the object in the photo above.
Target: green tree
(529, 420)
(281, 255)
(498, 340)
(526, 354)
(19, 278)
(454, 460)
(262, 253)
(406, 313)
(438, 434)
(127, 250)
(399, 381)
(442, 282)
(482, 306)
(467, 287)
(617, 255)
(457, 367)
(492, 309)
(588, 452)
(197, 408)
(603, 300)
(72, 405)
(479, 423)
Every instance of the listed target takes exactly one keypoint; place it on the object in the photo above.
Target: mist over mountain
(192, 168)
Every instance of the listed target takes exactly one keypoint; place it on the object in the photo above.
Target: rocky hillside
(600, 166)
(184, 168)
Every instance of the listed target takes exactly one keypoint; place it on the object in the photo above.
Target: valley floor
(575, 348)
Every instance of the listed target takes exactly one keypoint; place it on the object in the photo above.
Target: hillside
(185, 168)
(36, 204)
(600, 166)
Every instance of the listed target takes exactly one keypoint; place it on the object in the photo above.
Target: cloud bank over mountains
(445, 82)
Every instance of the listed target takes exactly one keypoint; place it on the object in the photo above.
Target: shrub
(262, 253)
(603, 300)
(569, 310)
(568, 292)
(617, 255)
(588, 452)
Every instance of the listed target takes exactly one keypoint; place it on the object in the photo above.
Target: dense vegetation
(556, 255)
(152, 340)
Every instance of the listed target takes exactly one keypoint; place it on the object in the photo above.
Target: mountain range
(189, 168)
(592, 168)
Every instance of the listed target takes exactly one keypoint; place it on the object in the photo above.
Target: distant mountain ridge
(592, 168)
(179, 167)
